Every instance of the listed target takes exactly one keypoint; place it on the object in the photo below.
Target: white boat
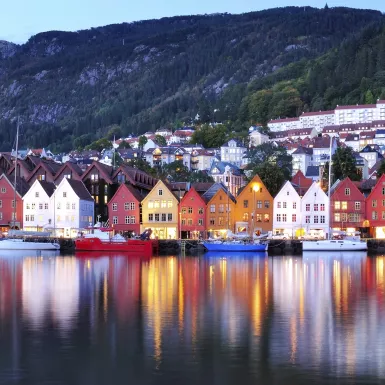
(21, 244)
(345, 244)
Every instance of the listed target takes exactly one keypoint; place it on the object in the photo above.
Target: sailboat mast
(14, 189)
(329, 182)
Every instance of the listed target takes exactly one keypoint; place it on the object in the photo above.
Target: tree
(200, 176)
(210, 137)
(116, 159)
(381, 169)
(142, 141)
(161, 140)
(176, 171)
(142, 165)
(123, 144)
(271, 175)
(344, 165)
(99, 145)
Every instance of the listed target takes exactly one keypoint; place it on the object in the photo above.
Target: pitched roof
(136, 177)
(103, 168)
(48, 165)
(48, 187)
(201, 187)
(315, 113)
(80, 190)
(312, 171)
(303, 150)
(21, 185)
(72, 165)
(209, 194)
(221, 166)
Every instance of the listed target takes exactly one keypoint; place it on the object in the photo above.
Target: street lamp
(255, 189)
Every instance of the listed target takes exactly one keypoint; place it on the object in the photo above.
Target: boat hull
(20, 244)
(234, 247)
(334, 246)
(135, 246)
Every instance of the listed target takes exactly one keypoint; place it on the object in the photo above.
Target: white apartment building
(232, 152)
(317, 120)
(287, 212)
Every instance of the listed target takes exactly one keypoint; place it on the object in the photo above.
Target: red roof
(284, 120)
(356, 107)
(315, 113)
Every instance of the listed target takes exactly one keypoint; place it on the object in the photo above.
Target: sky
(20, 19)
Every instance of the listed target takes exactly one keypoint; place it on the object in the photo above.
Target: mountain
(70, 88)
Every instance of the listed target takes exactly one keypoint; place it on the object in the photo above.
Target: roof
(303, 150)
(209, 194)
(48, 165)
(105, 169)
(312, 171)
(201, 187)
(136, 177)
(221, 166)
(48, 187)
(358, 106)
(72, 165)
(21, 185)
(80, 190)
(237, 142)
(284, 120)
(300, 180)
(315, 113)
(376, 166)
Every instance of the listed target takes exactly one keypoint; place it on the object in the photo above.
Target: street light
(255, 189)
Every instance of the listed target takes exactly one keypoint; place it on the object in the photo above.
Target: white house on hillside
(232, 152)
(74, 207)
(315, 210)
(287, 212)
(37, 210)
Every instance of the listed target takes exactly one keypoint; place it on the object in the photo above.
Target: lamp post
(255, 189)
(180, 225)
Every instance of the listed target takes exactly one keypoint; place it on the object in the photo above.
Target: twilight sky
(20, 19)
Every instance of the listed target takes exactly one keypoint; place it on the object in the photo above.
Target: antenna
(14, 189)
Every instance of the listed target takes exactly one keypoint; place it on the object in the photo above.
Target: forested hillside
(73, 86)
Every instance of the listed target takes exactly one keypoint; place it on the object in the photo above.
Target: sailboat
(346, 244)
(20, 243)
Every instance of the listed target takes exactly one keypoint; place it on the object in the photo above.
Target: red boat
(100, 240)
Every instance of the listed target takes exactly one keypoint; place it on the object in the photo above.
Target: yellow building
(160, 212)
(220, 210)
(254, 208)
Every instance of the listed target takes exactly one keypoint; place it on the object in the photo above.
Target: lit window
(156, 204)
(163, 203)
(169, 203)
(337, 205)
(344, 205)
(266, 218)
(150, 204)
(337, 217)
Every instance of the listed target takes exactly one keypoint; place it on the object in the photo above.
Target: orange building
(254, 208)
(219, 210)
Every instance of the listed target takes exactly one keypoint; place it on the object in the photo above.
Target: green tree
(142, 141)
(369, 98)
(210, 137)
(123, 144)
(176, 171)
(271, 175)
(99, 145)
(344, 165)
(142, 165)
(381, 169)
(161, 140)
(199, 176)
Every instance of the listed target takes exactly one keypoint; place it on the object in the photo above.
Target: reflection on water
(212, 320)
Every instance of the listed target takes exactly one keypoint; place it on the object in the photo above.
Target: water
(115, 320)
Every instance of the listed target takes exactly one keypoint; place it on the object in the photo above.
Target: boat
(234, 245)
(235, 254)
(100, 240)
(25, 244)
(344, 243)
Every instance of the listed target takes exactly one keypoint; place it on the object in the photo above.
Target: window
(183, 222)
(245, 217)
(347, 191)
(36, 194)
(259, 204)
(322, 207)
(307, 206)
(126, 206)
(169, 217)
(266, 218)
(200, 210)
(163, 217)
(337, 217)
(169, 203)
(64, 194)
(344, 217)
(189, 222)
(259, 217)
(284, 217)
(383, 203)
(344, 205)
(190, 210)
(279, 217)
(267, 204)
(157, 217)
(114, 207)
(221, 208)
(27, 218)
(383, 191)
(150, 204)
(200, 222)
(45, 206)
(1, 203)
(337, 205)
(115, 220)
(374, 203)
(374, 215)
(150, 217)
(315, 206)
(163, 203)
(32, 217)
(133, 219)
(156, 204)
(357, 205)
(284, 205)
(40, 206)
(294, 205)
(73, 206)
(245, 204)
(294, 218)
(307, 219)
(67, 205)
(212, 221)
(184, 210)
(160, 192)
(33, 206)
(220, 221)
(3, 190)
(322, 217)
(212, 208)
(278, 205)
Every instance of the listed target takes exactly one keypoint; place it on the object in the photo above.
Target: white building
(232, 152)
(74, 207)
(287, 212)
(256, 138)
(37, 206)
(302, 159)
(317, 120)
(315, 210)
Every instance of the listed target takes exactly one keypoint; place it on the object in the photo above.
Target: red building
(375, 209)
(348, 210)
(124, 210)
(192, 212)
(7, 196)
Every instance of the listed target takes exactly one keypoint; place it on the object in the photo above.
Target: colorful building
(124, 210)
(192, 212)
(220, 210)
(254, 208)
(347, 207)
(7, 202)
(375, 209)
(160, 212)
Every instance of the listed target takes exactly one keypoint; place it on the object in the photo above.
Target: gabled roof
(347, 182)
(209, 194)
(80, 190)
(301, 181)
(303, 150)
(72, 166)
(312, 171)
(21, 185)
(104, 169)
(49, 166)
(165, 184)
(48, 187)
(136, 177)
(221, 166)
(237, 143)
(136, 194)
(201, 187)
(376, 166)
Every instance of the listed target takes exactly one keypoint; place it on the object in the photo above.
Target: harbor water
(215, 318)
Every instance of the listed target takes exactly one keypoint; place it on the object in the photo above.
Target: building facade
(232, 152)
(375, 209)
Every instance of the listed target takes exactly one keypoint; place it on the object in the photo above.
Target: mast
(14, 189)
(329, 182)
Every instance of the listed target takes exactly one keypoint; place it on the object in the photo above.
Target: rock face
(7, 49)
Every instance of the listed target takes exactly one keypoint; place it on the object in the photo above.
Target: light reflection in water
(241, 316)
